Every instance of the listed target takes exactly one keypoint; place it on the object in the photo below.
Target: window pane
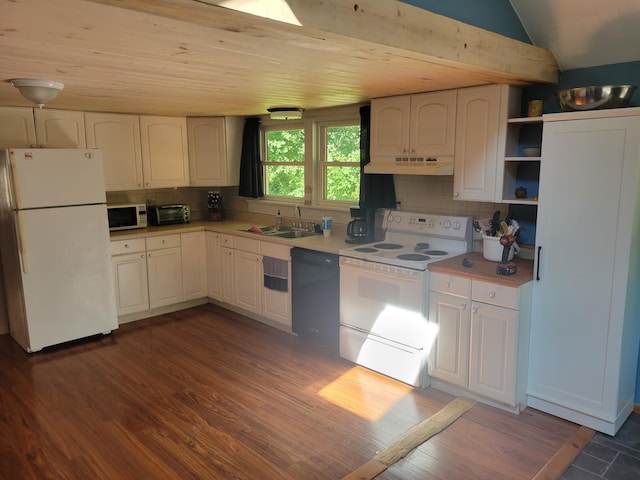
(343, 183)
(285, 146)
(343, 144)
(285, 180)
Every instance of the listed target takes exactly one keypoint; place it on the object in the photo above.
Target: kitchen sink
(280, 231)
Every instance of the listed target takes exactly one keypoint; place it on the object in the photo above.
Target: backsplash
(414, 193)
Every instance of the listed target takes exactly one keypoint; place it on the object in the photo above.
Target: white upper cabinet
(165, 160)
(215, 145)
(432, 128)
(413, 131)
(118, 135)
(17, 128)
(59, 128)
(390, 126)
(481, 120)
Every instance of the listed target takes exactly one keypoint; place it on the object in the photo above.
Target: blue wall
(498, 16)
(493, 15)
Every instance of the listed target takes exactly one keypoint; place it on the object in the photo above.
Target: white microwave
(127, 216)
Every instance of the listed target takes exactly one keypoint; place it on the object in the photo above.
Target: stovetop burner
(365, 249)
(388, 246)
(414, 257)
(436, 253)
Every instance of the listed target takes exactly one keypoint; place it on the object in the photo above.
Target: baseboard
(132, 317)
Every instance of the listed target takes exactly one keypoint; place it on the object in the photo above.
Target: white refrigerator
(54, 246)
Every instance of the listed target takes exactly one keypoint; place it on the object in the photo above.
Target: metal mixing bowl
(594, 98)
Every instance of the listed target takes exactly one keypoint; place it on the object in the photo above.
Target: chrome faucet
(296, 211)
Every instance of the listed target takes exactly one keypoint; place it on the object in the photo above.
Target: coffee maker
(362, 227)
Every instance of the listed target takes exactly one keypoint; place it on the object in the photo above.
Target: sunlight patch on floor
(365, 393)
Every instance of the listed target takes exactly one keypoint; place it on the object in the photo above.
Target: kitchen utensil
(595, 97)
(506, 267)
(495, 223)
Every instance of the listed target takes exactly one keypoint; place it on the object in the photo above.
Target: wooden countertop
(484, 270)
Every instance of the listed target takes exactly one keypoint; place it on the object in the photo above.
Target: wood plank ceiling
(187, 57)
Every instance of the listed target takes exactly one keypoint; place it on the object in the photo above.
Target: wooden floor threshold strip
(564, 457)
(412, 439)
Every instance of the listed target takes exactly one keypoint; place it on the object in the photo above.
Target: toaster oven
(169, 214)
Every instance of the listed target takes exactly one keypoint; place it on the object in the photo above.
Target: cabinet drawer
(495, 294)
(164, 241)
(226, 240)
(250, 245)
(275, 250)
(132, 245)
(450, 284)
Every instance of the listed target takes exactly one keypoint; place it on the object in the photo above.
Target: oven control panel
(423, 223)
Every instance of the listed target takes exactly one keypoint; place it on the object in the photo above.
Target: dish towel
(276, 273)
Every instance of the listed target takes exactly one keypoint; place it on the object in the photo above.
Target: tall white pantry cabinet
(585, 325)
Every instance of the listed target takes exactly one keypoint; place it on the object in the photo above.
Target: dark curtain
(376, 189)
(251, 184)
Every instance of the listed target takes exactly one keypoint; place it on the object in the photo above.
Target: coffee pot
(362, 225)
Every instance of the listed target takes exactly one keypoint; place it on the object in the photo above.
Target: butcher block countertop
(484, 270)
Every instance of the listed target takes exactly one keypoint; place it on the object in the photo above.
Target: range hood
(410, 165)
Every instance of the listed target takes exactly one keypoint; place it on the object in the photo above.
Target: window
(314, 162)
(284, 162)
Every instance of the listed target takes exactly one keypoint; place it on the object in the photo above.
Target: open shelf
(518, 170)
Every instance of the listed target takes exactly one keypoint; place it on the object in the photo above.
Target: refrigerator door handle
(22, 246)
(15, 184)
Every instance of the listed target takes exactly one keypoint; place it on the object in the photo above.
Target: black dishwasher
(315, 291)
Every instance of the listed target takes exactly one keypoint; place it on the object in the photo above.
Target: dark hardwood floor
(208, 394)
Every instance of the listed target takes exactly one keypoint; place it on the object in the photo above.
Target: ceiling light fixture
(285, 113)
(38, 91)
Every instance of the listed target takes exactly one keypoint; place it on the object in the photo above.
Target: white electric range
(384, 292)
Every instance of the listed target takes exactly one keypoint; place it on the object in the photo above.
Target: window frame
(264, 130)
(314, 125)
(322, 162)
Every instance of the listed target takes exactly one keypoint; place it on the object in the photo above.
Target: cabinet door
(433, 124)
(493, 343)
(214, 266)
(228, 280)
(130, 273)
(165, 160)
(59, 128)
(476, 144)
(165, 277)
(118, 136)
(584, 258)
(449, 355)
(17, 128)
(390, 126)
(215, 145)
(247, 275)
(194, 265)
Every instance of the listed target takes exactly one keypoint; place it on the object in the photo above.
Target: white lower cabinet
(492, 352)
(164, 268)
(129, 260)
(247, 276)
(276, 304)
(236, 277)
(158, 271)
(226, 268)
(194, 265)
(481, 341)
(214, 265)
